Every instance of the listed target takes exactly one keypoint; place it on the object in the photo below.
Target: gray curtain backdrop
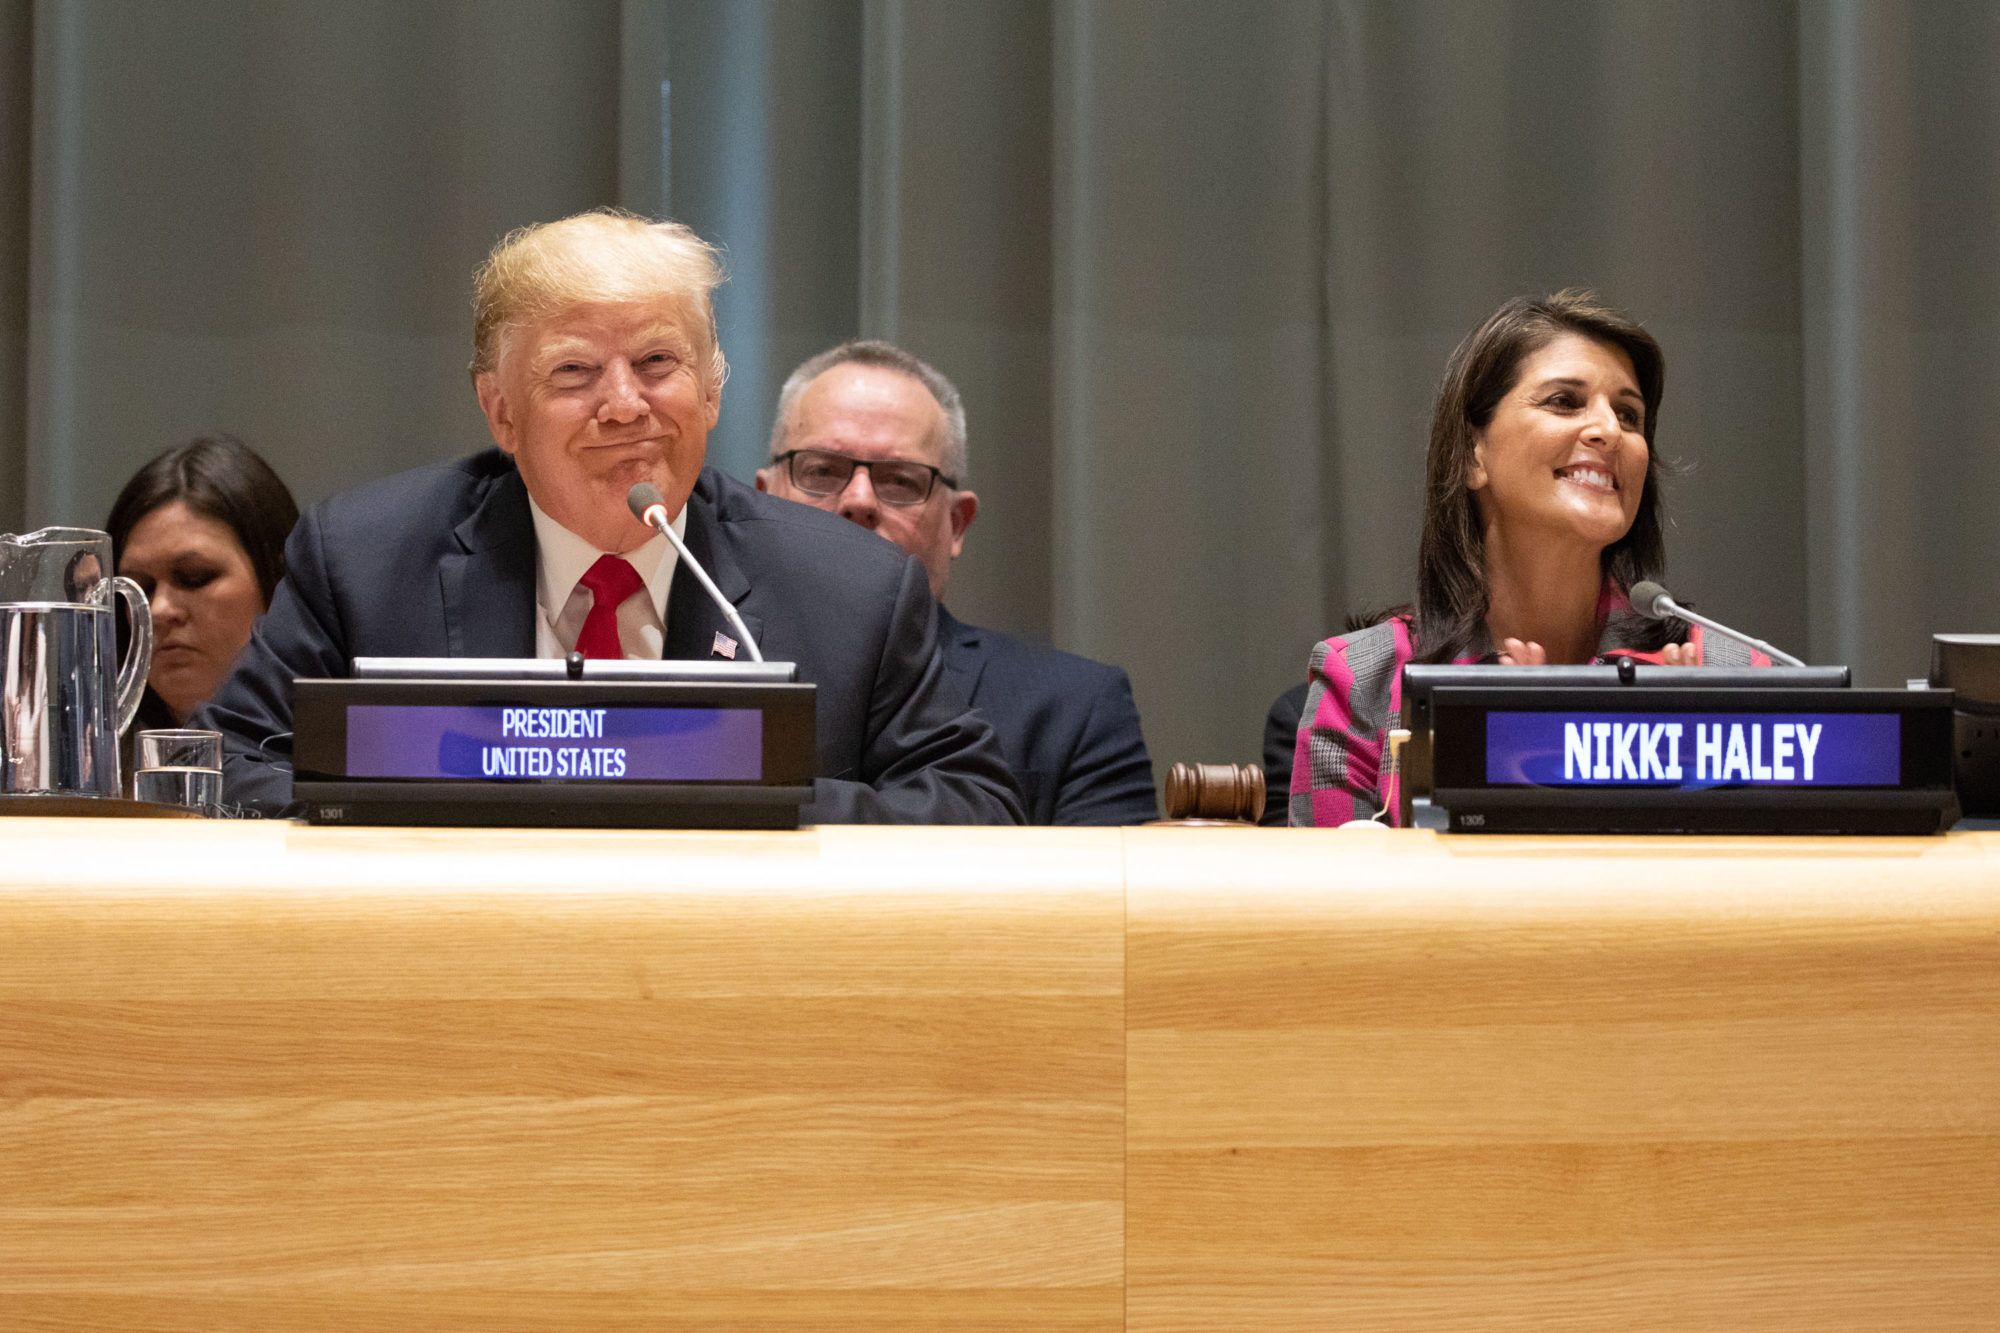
(1196, 267)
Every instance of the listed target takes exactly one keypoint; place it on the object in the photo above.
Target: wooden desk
(262, 1076)
(258, 1076)
(1497, 1083)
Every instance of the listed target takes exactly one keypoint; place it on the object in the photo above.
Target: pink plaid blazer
(1355, 694)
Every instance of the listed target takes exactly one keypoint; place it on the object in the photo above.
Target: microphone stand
(646, 505)
(1664, 602)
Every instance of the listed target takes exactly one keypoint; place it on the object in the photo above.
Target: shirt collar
(562, 558)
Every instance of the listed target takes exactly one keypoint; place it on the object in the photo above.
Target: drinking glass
(179, 768)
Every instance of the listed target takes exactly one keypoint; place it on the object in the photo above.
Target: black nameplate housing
(608, 753)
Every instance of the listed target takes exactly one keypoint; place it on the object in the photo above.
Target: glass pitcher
(64, 696)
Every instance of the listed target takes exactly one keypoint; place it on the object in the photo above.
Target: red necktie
(611, 580)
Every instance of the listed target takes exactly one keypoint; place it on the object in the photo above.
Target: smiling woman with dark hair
(1542, 508)
(202, 530)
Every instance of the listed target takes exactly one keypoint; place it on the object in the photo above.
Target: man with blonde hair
(596, 365)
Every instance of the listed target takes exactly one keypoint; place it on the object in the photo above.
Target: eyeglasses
(896, 481)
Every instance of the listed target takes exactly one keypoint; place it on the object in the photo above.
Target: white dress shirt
(561, 560)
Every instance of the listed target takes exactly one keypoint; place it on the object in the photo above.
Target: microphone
(647, 505)
(1652, 601)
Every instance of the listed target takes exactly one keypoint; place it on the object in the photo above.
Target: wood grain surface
(1402, 1082)
(265, 1076)
(262, 1076)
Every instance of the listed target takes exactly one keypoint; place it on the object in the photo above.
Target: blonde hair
(605, 255)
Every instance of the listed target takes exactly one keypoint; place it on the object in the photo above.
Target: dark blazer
(1281, 743)
(1067, 725)
(440, 562)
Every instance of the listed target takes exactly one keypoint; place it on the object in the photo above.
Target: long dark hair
(1451, 559)
(218, 477)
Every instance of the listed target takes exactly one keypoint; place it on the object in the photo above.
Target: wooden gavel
(1206, 794)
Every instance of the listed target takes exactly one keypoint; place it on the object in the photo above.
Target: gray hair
(873, 352)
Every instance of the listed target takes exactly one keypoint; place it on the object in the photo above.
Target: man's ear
(763, 479)
(499, 412)
(714, 405)
(964, 508)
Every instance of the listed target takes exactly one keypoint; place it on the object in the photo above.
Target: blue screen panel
(1692, 751)
(481, 743)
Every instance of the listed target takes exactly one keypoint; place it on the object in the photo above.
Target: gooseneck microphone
(647, 505)
(1652, 601)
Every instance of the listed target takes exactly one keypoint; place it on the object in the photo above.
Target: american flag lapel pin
(724, 646)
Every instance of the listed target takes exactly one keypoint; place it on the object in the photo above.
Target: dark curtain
(1196, 267)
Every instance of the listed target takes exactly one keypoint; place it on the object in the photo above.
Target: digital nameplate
(594, 743)
(1693, 750)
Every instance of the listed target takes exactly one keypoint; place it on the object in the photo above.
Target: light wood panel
(258, 1076)
(1399, 1082)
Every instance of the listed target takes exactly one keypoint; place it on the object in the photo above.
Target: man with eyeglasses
(871, 433)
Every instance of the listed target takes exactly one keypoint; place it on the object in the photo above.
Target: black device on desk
(1969, 666)
(535, 742)
(1643, 749)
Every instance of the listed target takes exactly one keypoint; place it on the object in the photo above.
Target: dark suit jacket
(1067, 725)
(1281, 742)
(440, 562)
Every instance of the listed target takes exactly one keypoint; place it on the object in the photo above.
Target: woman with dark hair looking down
(1542, 508)
(201, 529)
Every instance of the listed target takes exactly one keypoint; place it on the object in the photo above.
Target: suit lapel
(693, 618)
(963, 662)
(489, 587)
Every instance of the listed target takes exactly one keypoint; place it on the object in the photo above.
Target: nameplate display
(604, 743)
(1693, 750)
(615, 751)
(1639, 758)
